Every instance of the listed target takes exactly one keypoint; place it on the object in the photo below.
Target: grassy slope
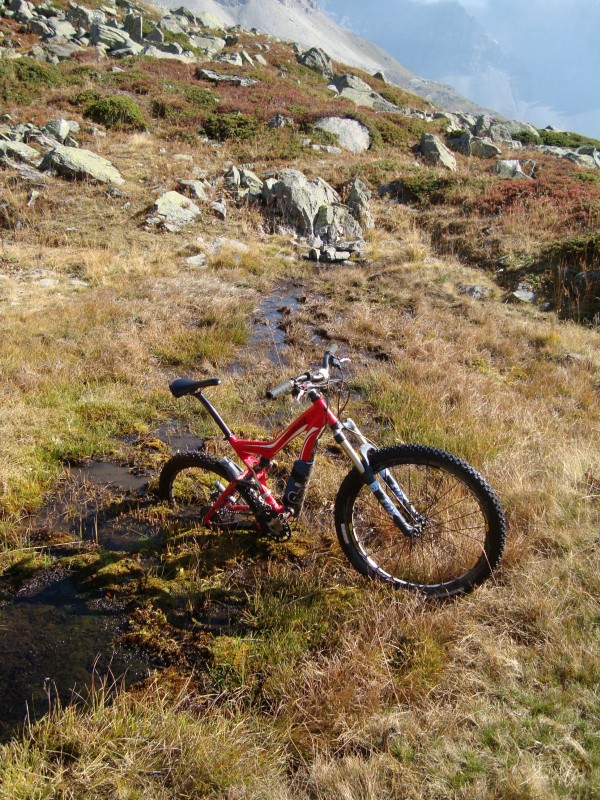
(326, 687)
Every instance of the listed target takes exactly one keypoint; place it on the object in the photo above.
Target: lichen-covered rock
(335, 224)
(470, 145)
(352, 136)
(19, 151)
(317, 60)
(510, 169)
(71, 162)
(435, 152)
(358, 197)
(173, 211)
(297, 199)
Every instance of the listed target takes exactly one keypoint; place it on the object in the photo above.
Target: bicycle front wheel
(192, 482)
(458, 526)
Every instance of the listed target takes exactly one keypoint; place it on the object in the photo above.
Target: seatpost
(214, 414)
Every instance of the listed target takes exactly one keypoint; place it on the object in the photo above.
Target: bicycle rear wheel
(459, 527)
(192, 482)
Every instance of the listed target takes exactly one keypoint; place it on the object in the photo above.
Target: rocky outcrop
(361, 94)
(510, 169)
(216, 77)
(470, 145)
(317, 60)
(71, 162)
(358, 196)
(351, 135)
(173, 211)
(296, 199)
(435, 153)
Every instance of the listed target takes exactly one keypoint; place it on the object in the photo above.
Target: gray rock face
(358, 197)
(173, 211)
(60, 129)
(335, 225)
(360, 93)
(216, 77)
(470, 145)
(133, 24)
(210, 45)
(19, 151)
(317, 60)
(230, 58)
(435, 152)
(71, 162)
(196, 189)
(297, 199)
(82, 17)
(111, 38)
(510, 169)
(279, 121)
(351, 134)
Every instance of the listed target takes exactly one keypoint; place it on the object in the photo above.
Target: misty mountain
(533, 59)
(303, 21)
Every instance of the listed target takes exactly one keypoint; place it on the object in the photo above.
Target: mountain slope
(303, 21)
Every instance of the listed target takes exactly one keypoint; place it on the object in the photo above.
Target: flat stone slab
(72, 162)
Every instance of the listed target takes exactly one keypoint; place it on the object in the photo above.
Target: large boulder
(510, 169)
(351, 134)
(19, 151)
(317, 60)
(357, 196)
(361, 94)
(209, 45)
(111, 38)
(71, 162)
(173, 211)
(297, 199)
(470, 145)
(435, 152)
(335, 225)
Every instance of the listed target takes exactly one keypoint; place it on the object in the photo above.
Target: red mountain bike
(413, 516)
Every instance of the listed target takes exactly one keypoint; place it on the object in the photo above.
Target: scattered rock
(297, 199)
(317, 60)
(280, 121)
(351, 134)
(219, 208)
(19, 151)
(435, 152)
(476, 292)
(216, 77)
(173, 211)
(358, 197)
(510, 169)
(353, 88)
(470, 145)
(72, 162)
(195, 189)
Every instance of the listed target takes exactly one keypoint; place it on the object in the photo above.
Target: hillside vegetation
(318, 684)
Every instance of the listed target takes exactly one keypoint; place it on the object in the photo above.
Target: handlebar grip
(329, 355)
(287, 386)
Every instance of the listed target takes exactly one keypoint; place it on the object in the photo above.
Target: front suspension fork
(361, 462)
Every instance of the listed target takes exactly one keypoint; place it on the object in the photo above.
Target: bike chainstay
(266, 516)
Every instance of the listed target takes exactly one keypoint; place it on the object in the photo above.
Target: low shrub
(117, 112)
(85, 98)
(229, 126)
(24, 79)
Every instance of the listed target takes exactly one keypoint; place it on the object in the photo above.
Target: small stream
(53, 646)
(56, 643)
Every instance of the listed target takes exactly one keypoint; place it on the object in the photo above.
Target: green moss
(117, 112)
(85, 98)
(555, 138)
(229, 126)
(22, 80)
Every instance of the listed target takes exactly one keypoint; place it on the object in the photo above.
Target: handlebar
(322, 376)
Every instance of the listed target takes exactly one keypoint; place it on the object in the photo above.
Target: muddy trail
(68, 611)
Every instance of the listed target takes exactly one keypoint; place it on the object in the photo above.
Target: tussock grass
(321, 686)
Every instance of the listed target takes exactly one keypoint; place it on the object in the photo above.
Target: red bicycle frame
(258, 454)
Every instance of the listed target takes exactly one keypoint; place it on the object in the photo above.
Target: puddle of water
(51, 645)
(100, 503)
(178, 437)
